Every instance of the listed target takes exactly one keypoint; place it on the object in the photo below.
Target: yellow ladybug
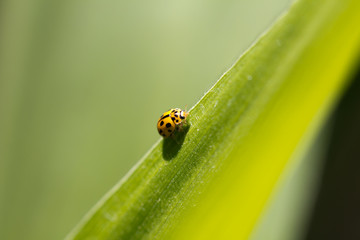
(170, 121)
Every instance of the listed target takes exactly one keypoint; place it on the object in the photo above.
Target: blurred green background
(82, 84)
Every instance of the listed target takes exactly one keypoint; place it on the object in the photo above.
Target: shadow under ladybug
(172, 145)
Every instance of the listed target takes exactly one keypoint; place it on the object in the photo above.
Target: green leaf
(213, 180)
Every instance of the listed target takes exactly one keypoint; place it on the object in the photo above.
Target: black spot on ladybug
(177, 121)
(168, 125)
(161, 123)
(160, 131)
(182, 117)
(169, 130)
(173, 118)
(164, 116)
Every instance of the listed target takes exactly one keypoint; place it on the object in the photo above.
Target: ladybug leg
(180, 126)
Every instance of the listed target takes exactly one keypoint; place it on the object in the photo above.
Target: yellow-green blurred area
(82, 84)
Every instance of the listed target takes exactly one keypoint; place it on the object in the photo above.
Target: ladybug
(171, 121)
